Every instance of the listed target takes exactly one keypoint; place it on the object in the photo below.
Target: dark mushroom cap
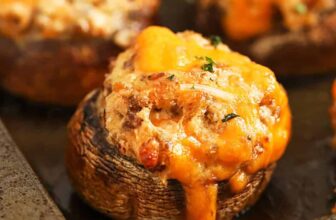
(119, 187)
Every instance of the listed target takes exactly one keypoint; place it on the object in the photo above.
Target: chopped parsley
(171, 77)
(209, 65)
(215, 40)
(301, 8)
(230, 116)
(209, 60)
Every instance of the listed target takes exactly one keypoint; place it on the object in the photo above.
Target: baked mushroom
(57, 51)
(289, 36)
(181, 128)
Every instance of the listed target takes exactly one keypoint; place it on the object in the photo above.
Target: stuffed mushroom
(290, 36)
(57, 51)
(182, 128)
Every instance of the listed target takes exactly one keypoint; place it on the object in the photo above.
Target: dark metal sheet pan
(22, 196)
(302, 184)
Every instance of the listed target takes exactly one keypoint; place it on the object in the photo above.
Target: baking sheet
(301, 187)
(22, 196)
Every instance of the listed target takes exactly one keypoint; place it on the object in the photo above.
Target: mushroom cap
(119, 187)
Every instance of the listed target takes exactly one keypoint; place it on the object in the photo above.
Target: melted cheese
(181, 118)
(167, 51)
(244, 19)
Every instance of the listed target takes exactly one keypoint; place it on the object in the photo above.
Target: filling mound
(120, 20)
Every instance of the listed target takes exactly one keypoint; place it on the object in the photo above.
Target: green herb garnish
(230, 116)
(301, 8)
(215, 40)
(171, 77)
(209, 65)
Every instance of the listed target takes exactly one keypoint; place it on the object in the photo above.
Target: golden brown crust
(285, 52)
(117, 186)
